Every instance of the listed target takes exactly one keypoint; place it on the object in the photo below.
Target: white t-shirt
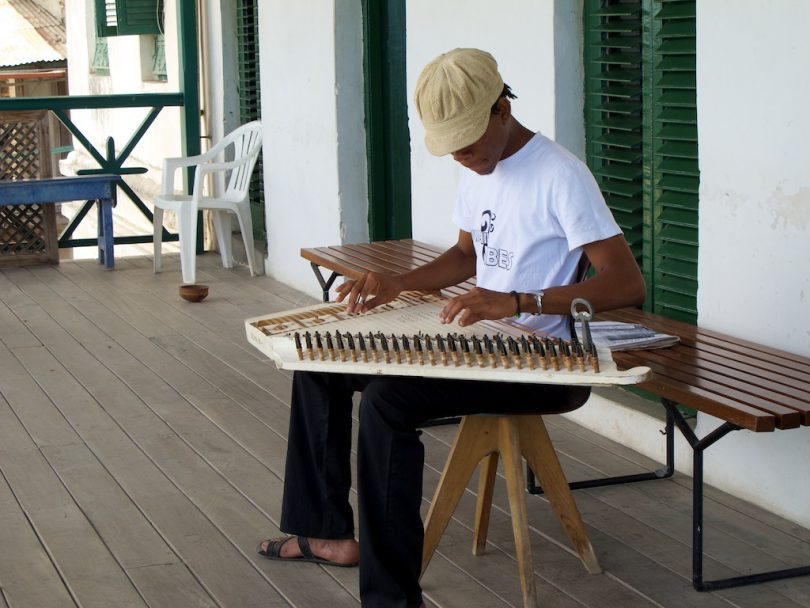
(529, 220)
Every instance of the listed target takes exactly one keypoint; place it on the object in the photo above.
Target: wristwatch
(538, 301)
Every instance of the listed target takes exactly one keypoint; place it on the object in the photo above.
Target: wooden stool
(482, 438)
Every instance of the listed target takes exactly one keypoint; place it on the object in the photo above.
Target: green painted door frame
(387, 137)
(189, 87)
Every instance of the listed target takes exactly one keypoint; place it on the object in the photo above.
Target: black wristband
(516, 295)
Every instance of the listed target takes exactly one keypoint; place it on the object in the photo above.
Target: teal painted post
(387, 136)
(375, 140)
(189, 87)
(399, 149)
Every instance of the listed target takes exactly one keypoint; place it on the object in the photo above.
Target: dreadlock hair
(507, 92)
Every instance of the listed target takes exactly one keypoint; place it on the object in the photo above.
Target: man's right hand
(369, 291)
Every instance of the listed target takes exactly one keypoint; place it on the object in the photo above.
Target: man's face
(483, 155)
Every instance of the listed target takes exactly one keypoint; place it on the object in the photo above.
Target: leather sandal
(273, 551)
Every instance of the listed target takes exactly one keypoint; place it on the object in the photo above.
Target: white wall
(351, 140)
(220, 64)
(754, 274)
(754, 130)
(314, 172)
(569, 77)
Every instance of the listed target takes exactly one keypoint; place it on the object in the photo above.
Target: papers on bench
(627, 336)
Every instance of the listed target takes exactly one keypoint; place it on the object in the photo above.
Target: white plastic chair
(246, 142)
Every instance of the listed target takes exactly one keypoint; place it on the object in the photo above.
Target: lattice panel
(20, 145)
(27, 232)
(27, 235)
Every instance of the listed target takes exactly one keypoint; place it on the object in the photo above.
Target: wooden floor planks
(142, 449)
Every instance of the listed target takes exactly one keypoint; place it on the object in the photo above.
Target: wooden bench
(100, 188)
(746, 385)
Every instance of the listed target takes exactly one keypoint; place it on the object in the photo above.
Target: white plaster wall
(219, 83)
(524, 50)
(220, 93)
(78, 24)
(569, 77)
(633, 422)
(350, 109)
(754, 278)
(754, 129)
(303, 148)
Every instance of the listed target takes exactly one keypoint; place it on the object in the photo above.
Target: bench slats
(690, 333)
(752, 366)
(705, 401)
(354, 261)
(722, 391)
(753, 363)
(734, 373)
(339, 262)
(761, 372)
(393, 260)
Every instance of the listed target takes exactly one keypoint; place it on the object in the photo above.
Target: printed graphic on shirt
(492, 256)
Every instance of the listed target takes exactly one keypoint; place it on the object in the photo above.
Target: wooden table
(101, 188)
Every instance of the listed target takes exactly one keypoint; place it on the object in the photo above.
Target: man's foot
(344, 552)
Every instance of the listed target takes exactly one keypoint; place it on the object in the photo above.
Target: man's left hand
(476, 305)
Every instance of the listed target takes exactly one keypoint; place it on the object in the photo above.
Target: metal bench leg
(698, 447)
(666, 471)
(326, 284)
(676, 418)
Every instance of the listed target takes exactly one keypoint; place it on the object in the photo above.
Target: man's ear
(504, 108)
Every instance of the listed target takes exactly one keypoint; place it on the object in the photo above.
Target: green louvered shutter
(247, 36)
(106, 18)
(124, 17)
(139, 16)
(673, 158)
(641, 130)
(613, 109)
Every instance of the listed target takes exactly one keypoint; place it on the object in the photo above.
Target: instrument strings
(450, 350)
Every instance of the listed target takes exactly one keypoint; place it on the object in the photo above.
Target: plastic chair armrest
(171, 165)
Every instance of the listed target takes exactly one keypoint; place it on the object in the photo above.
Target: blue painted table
(100, 188)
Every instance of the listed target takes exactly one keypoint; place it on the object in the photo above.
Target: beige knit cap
(454, 96)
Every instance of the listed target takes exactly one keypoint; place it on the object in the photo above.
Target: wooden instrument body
(409, 315)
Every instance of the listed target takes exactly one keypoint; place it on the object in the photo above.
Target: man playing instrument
(527, 210)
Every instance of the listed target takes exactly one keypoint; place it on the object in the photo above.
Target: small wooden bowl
(193, 293)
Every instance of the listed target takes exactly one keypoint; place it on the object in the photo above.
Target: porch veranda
(142, 444)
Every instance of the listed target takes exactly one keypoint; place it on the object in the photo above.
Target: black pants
(389, 463)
